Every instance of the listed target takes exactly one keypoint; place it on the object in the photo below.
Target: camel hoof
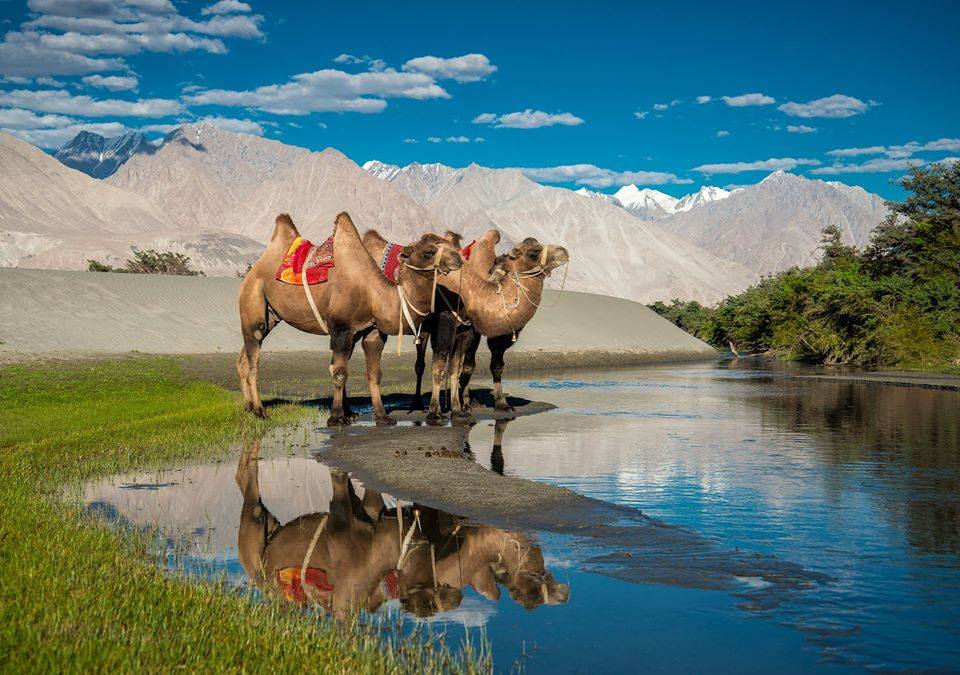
(503, 406)
(462, 414)
(434, 418)
(384, 421)
(259, 412)
(338, 421)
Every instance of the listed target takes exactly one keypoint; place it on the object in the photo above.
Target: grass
(80, 596)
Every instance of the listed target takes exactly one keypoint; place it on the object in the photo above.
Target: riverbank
(79, 596)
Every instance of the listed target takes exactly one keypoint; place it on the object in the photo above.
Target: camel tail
(284, 225)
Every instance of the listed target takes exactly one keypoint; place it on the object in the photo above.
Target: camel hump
(284, 225)
(492, 235)
(372, 237)
(343, 226)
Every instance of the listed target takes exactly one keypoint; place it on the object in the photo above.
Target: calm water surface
(857, 483)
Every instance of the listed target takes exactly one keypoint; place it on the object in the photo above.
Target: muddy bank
(434, 466)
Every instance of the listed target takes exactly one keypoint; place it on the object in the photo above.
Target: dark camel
(357, 303)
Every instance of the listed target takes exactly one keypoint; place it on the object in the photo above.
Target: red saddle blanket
(390, 262)
(302, 255)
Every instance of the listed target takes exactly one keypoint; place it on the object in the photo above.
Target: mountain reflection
(359, 554)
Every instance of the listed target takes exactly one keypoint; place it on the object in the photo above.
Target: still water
(857, 484)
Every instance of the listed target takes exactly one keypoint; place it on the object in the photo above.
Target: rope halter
(406, 306)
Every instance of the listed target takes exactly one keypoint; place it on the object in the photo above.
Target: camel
(356, 304)
(499, 302)
(358, 553)
(443, 325)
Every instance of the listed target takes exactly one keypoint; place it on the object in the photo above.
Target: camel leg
(498, 346)
(341, 342)
(421, 365)
(442, 346)
(496, 455)
(372, 350)
(459, 410)
(471, 342)
(255, 324)
(347, 408)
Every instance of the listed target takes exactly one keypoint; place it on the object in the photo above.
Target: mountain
(204, 177)
(52, 216)
(613, 252)
(98, 156)
(201, 172)
(601, 196)
(777, 223)
(705, 195)
(646, 203)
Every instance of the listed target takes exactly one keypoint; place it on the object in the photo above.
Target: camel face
(530, 253)
(532, 589)
(422, 254)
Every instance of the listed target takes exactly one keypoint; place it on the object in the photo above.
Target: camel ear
(484, 583)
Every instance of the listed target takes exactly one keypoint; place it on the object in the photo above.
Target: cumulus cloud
(744, 100)
(800, 129)
(704, 99)
(159, 128)
(369, 61)
(17, 118)
(641, 114)
(434, 139)
(60, 101)
(723, 133)
(327, 91)
(772, 164)
(466, 68)
(594, 176)
(410, 140)
(900, 151)
(528, 119)
(877, 165)
(837, 106)
(77, 37)
(226, 7)
(665, 106)
(113, 82)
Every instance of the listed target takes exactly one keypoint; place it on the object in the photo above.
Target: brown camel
(356, 303)
(499, 303)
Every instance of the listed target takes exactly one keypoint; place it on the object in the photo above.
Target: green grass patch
(80, 596)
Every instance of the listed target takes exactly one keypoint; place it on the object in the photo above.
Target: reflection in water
(358, 554)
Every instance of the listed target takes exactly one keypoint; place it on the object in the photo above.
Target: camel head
(526, 577)
(530, 256)
(422, 255)
(425, 601)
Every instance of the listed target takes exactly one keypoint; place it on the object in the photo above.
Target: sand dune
(59, 312)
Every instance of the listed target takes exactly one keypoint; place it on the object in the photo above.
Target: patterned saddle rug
(390, 262)
(317, 263)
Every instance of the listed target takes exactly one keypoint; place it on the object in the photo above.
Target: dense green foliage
(81, 597)
(150, 262)
(895, 303)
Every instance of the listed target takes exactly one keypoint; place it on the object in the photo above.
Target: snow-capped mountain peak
(599, 196)
(704, 195)
(98, 156)
(382, 170)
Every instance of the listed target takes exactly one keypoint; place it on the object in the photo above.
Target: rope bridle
(406, 306)
(515, 277)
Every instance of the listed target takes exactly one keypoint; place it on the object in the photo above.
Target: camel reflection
(359, 554)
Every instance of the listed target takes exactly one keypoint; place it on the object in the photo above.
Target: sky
(664, 95)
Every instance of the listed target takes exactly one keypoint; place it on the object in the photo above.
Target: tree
(150, 262)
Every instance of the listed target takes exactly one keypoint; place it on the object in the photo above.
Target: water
(855, 483)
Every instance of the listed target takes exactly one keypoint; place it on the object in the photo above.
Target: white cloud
(479, 139)
(434, 139)
(528, 119)
(226, 7)
(900, 151)
(704, 99)
(660, 106)
(485, 118)
(877, 165)
(457, 139)
(772, 164)
(113, 82)
(159, 128)
(594, 176)
(837, 106)
(243, 126)
(327, 91)
(21, 55)
(723, 133)
(17, 118)
(49, 82)
(800, 129)
(60, 101)
(467, 68)
(641, 114)
(372, 63)
(410, 140)
(744, 100)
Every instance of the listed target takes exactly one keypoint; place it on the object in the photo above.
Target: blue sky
(597, 95)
